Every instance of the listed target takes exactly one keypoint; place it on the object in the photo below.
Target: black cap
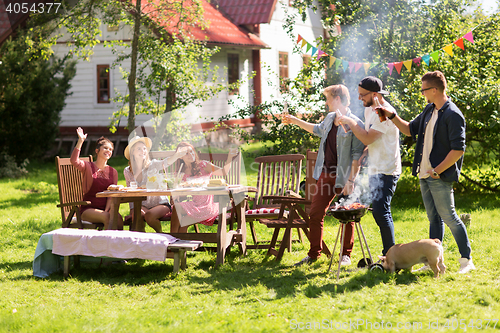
(371, 83)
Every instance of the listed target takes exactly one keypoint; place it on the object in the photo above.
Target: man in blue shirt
(440, 135)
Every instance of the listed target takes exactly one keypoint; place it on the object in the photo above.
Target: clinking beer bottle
(380, 113)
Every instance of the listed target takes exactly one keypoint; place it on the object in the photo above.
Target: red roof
(220, 30)
(248, 11)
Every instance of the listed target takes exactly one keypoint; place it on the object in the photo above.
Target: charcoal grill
(346, 216)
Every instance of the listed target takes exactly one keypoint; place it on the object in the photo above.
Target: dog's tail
(437, 241)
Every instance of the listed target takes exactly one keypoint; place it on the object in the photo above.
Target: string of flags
(355, 66)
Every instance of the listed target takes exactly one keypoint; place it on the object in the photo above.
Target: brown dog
(404, 256)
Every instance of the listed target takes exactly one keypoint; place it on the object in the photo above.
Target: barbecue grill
(346, 214)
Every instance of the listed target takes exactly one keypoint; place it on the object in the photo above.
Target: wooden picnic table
(224, 195)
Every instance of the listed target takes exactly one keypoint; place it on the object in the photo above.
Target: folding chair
(69, 181)
(279, 175)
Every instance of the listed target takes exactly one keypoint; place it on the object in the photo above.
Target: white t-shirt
(425, 165)
(384, 152)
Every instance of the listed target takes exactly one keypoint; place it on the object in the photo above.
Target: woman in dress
(202, 208)
(155, 207)
(97, 176)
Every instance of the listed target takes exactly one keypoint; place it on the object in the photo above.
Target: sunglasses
(422, 90)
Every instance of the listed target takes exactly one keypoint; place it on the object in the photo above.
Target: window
(103, 93)
(283, 67)
(233, 71)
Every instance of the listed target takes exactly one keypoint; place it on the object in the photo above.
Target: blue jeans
(439, 203)
(382, 188)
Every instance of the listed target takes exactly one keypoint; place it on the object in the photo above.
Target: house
(251, 38)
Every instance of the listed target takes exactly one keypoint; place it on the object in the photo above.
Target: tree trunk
(133, 68)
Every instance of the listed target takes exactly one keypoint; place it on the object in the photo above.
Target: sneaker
(466, 265)
(306, 260)
(422, 269)
(346, 260)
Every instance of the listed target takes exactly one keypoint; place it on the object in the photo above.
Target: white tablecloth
(94, 243)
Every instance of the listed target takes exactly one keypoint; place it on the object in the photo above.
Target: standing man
(336, 167)
(440, 135)
(384, 168)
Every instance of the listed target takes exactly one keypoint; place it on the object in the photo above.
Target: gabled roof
(247, 11)
(220, 30)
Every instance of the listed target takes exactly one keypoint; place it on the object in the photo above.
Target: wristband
(391, 117)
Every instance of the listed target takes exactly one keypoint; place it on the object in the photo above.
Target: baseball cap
(371, 83)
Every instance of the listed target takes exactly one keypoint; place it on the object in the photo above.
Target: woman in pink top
(97, 176)
(202, 208)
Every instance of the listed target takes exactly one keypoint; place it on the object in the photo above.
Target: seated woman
(155, 207)
(97, 176)
(202, 208)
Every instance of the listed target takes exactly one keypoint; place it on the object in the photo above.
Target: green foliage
(10, 169)
(32, 95)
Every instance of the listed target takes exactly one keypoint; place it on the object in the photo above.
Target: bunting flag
(469, 37)
(427, 59)
(352, 65)
(435, 56)
(366, 65)
(460, 43)
(398, 66)
(449, 49)
(332, 61)
(357, 66)
(407, 64)
(391, 67)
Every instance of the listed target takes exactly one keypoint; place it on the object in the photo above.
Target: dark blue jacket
(449, 134)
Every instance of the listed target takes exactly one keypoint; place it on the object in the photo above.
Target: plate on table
(216, 187)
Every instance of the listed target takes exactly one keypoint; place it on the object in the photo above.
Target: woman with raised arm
(155, 207)
(97, 176)
(202, 208)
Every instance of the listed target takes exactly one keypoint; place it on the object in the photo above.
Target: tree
(33, 88)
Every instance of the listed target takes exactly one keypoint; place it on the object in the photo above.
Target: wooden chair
(298, 213)
(278, 175)
(69, 181)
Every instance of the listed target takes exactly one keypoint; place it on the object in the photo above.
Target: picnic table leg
(176, 261)
(66, 266)
(183, 255)
(115, 205)
(222, 236)
(242, 226)
(137, 221)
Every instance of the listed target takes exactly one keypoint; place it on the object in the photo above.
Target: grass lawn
(246, 294)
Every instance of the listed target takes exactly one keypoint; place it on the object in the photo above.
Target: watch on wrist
(434, 173)
(391, 117)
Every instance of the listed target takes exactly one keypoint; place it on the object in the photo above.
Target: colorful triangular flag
(332, 61)
(460, 43)
(345, 64)
(314, 51)
(407, 64)
(398, 66)
(299, 39)
(338, 62)
(374, 64)
(416, 61)
(320, 54)
(351, 66)
(303, 43)
(366, 65)
(469, 37)
(435, 56)
(427, 59)
(357, 66)
(449, 49)
(391, 67)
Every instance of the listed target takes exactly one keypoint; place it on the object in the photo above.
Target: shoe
(422, 269)
(306, 260)
(466, 265)
(346, 260)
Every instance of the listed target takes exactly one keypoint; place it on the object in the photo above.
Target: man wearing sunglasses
(440, 135)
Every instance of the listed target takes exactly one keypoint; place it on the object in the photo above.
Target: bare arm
(367, 137)
(349, 186)
(216, 171)
(401, 124)
(450, 159)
